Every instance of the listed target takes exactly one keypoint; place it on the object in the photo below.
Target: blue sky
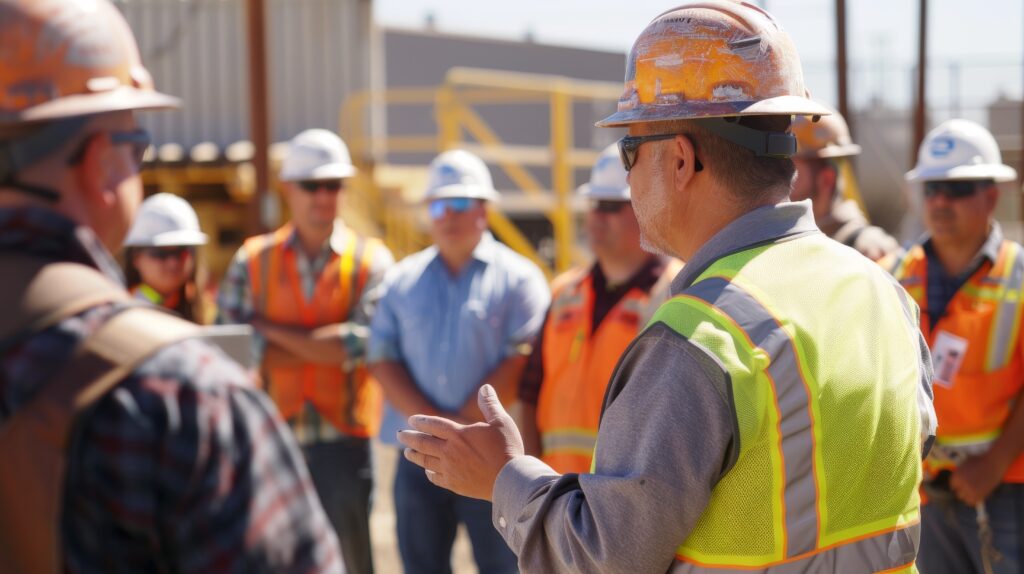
(975, 48)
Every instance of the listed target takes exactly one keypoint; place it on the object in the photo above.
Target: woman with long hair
(160, 255)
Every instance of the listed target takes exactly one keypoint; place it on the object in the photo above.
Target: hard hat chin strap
(762, 143)
(17, 154)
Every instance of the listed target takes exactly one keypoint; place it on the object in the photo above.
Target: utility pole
(259, 111)
(842, 65)
(920, 110)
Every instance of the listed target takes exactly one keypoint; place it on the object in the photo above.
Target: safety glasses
(139, 140)
(629, 146)
(607, 206)
(959, 189)
(165, 253)
(439, 207)
(328, 185)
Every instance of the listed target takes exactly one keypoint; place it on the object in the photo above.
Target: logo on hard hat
(942, 146)
(448, 175)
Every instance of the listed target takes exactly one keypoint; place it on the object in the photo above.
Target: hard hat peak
(960, 149)
(713, 58)
(163, 220)
(458, 173)
(316, 154)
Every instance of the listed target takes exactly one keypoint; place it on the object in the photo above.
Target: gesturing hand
(465, 459)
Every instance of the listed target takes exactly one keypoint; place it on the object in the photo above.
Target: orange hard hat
(68, 58)
(827, 138)
(712, 59)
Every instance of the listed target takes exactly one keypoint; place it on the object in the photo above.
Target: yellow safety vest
(822, 352)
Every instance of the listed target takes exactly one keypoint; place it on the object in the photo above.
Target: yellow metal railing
(459, 125)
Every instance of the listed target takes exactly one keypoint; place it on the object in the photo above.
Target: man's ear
(825, 184)
(991, 197)
(92, 171)
(684, 160)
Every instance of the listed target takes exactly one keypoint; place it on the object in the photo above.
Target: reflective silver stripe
(571, 441)
(800, 490)
(878, 553)
(1006, 313)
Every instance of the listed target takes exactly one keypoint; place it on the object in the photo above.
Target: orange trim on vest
(350, 401)
(578, 365)
(984, 311)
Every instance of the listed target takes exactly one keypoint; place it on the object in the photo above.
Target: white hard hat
(315, 155)
(163, 220)
(458, 173)
(960, 149)
(607, 179)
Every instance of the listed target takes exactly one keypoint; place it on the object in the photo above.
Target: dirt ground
(382, 521)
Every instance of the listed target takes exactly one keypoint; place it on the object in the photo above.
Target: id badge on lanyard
(948, 352)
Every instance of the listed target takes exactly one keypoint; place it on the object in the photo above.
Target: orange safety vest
(351, 401)
(578, 363)
(973, 404)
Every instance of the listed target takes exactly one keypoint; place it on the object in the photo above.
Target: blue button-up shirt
(942, 286)
(451, 331)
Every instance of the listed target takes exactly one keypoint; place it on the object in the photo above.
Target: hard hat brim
(470, 191)
(125, 98)
(997, 172)
(183, 237)
(604, 193)
(330, 171)
(777, 106)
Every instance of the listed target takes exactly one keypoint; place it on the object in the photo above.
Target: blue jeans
(428, 517)
(949, 533)
(342, 472)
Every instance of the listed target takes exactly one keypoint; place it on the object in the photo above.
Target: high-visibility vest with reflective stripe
(821, 351)
(578, 365)
(986, 312)
(351, 401)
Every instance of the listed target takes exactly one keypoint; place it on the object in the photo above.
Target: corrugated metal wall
(319, 52)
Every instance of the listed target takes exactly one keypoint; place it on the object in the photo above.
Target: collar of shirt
(757, 227)
(48, 234)
(643, 278)
(989, 250)
(335, 243)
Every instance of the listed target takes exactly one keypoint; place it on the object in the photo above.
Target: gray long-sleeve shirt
(667, 436)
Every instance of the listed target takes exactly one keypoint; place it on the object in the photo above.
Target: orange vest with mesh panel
(986, 312)
(351, 401)
(578, 364)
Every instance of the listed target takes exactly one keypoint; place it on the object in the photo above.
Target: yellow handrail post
(562, 179)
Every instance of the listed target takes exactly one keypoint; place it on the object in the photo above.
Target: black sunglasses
(139, 140)
(608, 206)
(330, 185)
(958, 189)
(164, 253)
(630, 145)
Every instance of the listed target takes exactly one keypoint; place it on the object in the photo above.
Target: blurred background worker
(309, 289)
(595, 313)
(824, 149)
(129, 444)
(160, 256)
(455, 316)
(968, 280)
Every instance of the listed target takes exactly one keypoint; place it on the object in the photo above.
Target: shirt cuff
(516, 485)
(377, 352)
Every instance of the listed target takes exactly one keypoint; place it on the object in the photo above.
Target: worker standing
(309, 290)
(596, 311)
(968, 280)
(160, 256)
(824, 149)
(454, 316)
(130, 445)
(771, 416)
